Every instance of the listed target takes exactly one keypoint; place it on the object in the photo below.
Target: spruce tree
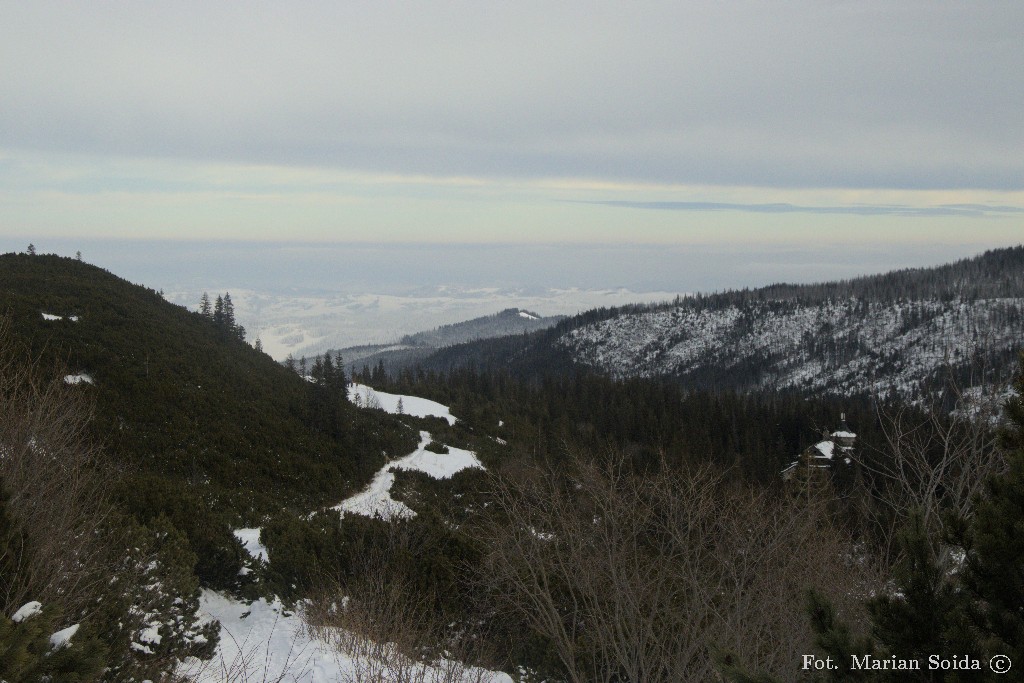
(339, 367)
(218, 311)
(229, 314)
(204, 306)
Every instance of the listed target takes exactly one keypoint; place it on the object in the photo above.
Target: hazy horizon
(307, 297)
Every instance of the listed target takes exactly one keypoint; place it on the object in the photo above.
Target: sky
(858, 129)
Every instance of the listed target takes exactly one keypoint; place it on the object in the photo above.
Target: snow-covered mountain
(850, 346)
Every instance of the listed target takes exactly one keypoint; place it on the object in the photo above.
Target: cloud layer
(911, 95)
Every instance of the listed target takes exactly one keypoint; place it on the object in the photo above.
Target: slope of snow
(265, 642)
(415, 406)
(376, 499)
(843, 347)
(826, 449)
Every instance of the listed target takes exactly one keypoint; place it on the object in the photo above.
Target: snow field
(415, 406)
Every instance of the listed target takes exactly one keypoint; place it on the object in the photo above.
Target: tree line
(222, 313)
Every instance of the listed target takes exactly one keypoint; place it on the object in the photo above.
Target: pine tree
(218, 311)
(204, 306)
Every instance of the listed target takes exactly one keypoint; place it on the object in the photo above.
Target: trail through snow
(263, 641)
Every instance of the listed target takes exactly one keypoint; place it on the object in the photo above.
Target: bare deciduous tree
(386, 630)
(647, 577)
(53, 494)
(931, 462)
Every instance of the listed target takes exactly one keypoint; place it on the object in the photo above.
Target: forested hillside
(177, 430)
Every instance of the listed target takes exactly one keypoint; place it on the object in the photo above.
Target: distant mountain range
(900, 333)
(413, 348)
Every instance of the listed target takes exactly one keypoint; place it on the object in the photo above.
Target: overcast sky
(679, 123)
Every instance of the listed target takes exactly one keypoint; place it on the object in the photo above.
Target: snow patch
(263, 641)
(63, 637)
(78, 379)
(250, 539)
(27, 611)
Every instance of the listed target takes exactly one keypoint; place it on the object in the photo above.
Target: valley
(332, 518)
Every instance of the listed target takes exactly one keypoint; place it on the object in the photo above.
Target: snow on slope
(376, 499)
(51, 317)
(263, 641)
(415, 406)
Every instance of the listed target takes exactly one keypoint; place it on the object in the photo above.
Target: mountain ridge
(921, 327)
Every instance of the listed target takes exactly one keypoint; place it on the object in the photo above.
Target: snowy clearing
(367, 397)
